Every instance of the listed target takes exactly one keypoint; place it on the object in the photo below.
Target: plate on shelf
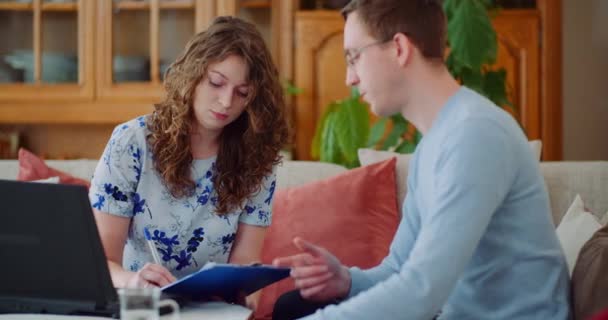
(56, 67)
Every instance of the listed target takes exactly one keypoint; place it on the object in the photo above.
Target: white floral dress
(187, 231)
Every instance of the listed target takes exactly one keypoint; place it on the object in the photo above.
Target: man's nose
(351, 77)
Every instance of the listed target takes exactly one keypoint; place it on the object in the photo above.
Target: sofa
(564, 181)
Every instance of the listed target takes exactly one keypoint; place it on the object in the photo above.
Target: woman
(197, 174)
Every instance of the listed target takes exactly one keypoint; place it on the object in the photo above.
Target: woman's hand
(318, 274)
(150, 275)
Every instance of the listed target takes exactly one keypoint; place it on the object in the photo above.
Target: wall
(585, 79)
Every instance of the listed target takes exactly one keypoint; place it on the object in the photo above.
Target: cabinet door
(518, 33)
(274, 20)
(139, 40)
(47, 50)
(320, 71)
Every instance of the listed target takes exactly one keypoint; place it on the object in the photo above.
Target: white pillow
(48, 180)
(575, 229)
(369, 156)
(537, 148)
(604, 220)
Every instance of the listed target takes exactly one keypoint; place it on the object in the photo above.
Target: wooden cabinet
(151, 34)
(92, 64)
(320, 71)
(518, 33)
(46, 52)
(118, 50)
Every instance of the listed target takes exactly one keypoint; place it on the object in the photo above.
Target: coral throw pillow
(354, 215)
(32, 167)
(601, 316)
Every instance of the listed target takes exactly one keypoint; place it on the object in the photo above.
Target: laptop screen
(51, 257)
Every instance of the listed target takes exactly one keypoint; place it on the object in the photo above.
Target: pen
(151, 246)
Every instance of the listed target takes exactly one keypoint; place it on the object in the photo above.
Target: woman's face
(221, 96)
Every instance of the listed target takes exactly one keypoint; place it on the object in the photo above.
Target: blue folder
(225, 280)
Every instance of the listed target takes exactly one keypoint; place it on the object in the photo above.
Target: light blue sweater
(476, 240)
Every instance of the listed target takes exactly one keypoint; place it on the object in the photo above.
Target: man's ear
(404, 48)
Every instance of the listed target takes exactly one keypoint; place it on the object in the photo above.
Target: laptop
(51, 257)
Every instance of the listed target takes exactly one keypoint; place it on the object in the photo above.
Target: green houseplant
(345, 125)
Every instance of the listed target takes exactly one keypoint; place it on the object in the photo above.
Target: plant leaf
(406, 147)
(494, 87)
(417, 137)
(329, 147)
(399, 128)
(291, 89)
(315, 148)
(473, 79)
(354, 93)
(449, 6)
(376, 132)
(454, 66)
(398, 118)
(352, 127)
(471, 36)
(489, 4)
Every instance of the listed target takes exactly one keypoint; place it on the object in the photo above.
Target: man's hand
(318, 274)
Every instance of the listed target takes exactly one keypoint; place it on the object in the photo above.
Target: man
(476, 240)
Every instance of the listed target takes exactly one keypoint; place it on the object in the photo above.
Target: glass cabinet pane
(16, 52)
(130, 43)
(59, 45)
(176, 27)
(259, 13)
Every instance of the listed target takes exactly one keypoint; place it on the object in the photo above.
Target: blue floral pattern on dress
(99, 203)
(141, 121)
(270, 192)
(227, 241)
(136, 152)
(187, 231)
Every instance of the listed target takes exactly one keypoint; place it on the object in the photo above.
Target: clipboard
(225, 280)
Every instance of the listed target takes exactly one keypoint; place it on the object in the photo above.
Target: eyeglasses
(352, 55)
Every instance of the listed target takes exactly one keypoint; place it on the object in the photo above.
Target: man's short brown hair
(423, 21)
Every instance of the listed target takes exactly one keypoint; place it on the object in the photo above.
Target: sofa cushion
(297, 173)
(589, 280)
(31, 167)
(354, 215)
(575, 229)
(566, 179)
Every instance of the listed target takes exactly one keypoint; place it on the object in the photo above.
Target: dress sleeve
(258, 210)
(114, 183)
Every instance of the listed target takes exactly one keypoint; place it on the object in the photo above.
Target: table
(207, 311)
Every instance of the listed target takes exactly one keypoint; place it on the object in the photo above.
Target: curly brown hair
(249, 146)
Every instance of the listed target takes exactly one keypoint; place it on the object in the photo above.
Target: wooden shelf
(50, 6)
(16, 6)
(71, 113)
(145, 5)
(255, 3)
(47, 6)
(184, 4)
